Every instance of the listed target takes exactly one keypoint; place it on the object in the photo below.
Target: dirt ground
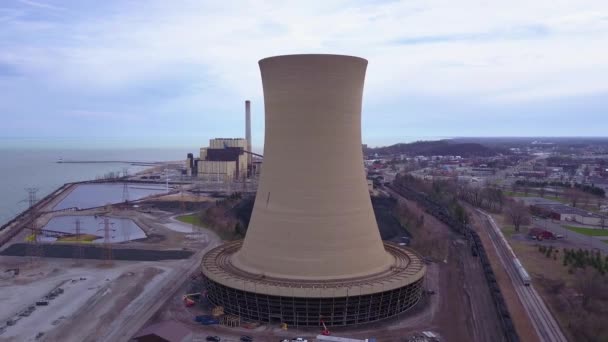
(523, 326)
(83, 286)
(100, 310)
(99, 302)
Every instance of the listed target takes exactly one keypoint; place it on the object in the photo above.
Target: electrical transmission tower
(107, 245)
(31, 196)
(125, 192)
(78, 250)
(33, 250)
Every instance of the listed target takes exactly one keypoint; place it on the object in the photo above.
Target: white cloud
(42, 5)
(228, 41)
(497, 54)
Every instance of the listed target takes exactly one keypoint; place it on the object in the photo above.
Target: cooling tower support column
(313, 249)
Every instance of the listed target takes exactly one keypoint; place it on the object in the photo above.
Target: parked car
(206, 320)
(246, 338)
(213, 339)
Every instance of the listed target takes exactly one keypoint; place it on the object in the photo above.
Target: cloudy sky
(176, 73)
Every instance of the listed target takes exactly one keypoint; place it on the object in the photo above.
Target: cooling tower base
(306, 303)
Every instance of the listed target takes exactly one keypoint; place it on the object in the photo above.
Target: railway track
(440, 212)
(543, 321)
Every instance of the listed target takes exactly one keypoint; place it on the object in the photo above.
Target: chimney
(248, 130)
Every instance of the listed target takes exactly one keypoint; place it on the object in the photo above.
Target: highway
(543, 321)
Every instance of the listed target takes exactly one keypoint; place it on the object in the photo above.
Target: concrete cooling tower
(313, 251)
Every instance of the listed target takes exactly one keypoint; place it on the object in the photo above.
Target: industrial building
(562, 212)
(225, 159)
(313, 251)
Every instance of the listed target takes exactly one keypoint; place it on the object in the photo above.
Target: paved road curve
(545, 324)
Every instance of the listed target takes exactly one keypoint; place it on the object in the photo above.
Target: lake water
(22, 168)
(96, 195)
(120, 229)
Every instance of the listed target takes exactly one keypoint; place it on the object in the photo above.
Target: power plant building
(313, 251)
(223, 160)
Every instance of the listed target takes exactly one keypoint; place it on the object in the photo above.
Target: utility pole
(125, 185)
(78, 250)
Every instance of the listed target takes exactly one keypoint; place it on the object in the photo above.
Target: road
(135, 316)
(545, 324)
(584, 241)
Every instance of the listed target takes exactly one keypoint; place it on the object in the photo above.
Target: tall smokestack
(248, 130)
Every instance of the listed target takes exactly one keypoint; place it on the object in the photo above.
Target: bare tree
(591, 285)
(603, 221)
(541, 191)
(573, 195)
(517, 212)
(585, 199)
(514, 187)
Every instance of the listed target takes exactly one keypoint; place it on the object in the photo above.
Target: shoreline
(18, 222)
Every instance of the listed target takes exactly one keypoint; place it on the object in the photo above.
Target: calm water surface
(37, 167)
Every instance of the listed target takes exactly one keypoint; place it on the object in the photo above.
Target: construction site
(237, 257)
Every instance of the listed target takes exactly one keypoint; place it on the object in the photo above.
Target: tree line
(591, 189)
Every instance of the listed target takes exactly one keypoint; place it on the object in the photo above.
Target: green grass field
(588, 231)
(84, 238)
(195, 219)
(191, 219)
(515, 194)
(509, 230)
(534, 194)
